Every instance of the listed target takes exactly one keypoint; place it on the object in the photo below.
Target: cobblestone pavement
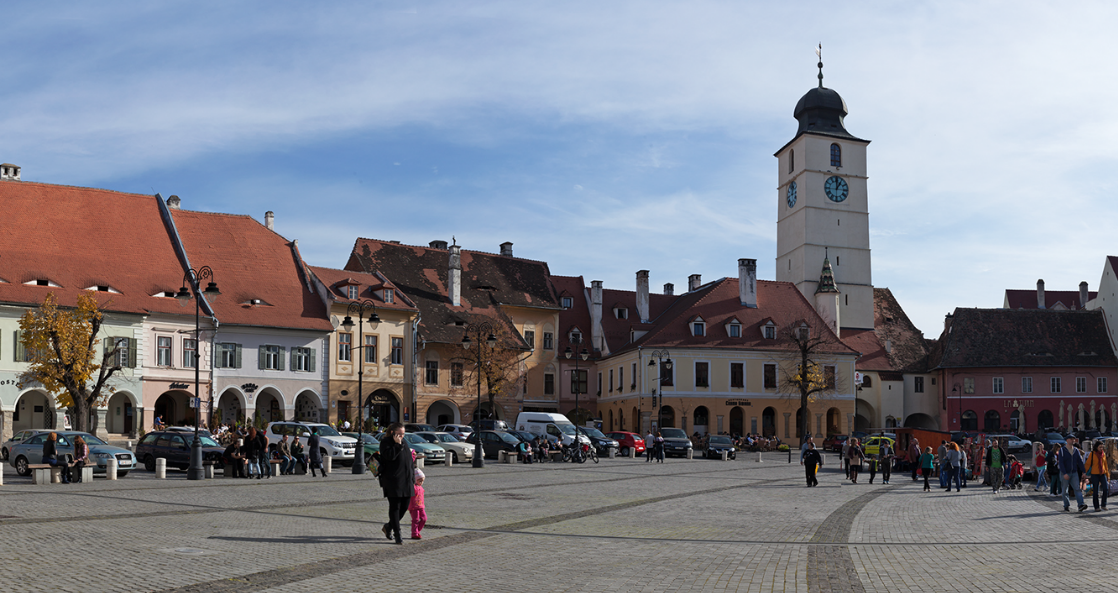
(620, 525)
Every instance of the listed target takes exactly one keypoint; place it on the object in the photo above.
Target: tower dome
(821, 110)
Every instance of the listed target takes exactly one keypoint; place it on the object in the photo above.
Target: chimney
(270, 220)
(174, 202)
(596, 314)
(694, 281)
(1083, 294)
(642, 295)
(454, 276)
(947, 322)
(438, 244)
(9, 172)
(506, 248)
(669, 289)
(1040, 294)
(747, 282)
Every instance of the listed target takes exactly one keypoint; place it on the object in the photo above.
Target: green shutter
(18, 350)
(260, 357)
(282, 355)
(237, 362)
(218, 353)
(310, 361)
(131, 353)
(108, 345)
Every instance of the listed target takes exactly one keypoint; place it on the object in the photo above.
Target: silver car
(16, 439)
(30, 452)
(458, 449)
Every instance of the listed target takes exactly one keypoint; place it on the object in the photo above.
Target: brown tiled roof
(251, 262)
(80, 237)
(908, 351)
(617, 332)
(1026, 299)
(488, 281)
(577, 316)
(336, 281)
(1024, 338)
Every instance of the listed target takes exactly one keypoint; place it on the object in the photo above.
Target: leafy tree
(62, 343)
(804, 375)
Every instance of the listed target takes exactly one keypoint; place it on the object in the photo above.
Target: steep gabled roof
(907, 349)
(577, 316)
(1024, 338)
(618, 332)
(368, 287)
(1053, 299)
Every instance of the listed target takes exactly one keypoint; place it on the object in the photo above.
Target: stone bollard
(419, 462)
(758, 457)
(209, 471)
(612, 452)
(110, 469)
(328, 464)
(161, 468)
(448, 460)
(632, 452)
(690, 453)
(725, 455)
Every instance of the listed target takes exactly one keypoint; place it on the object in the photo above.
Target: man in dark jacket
(314, 453)
(397, 478)
(997, 461)
(1070, 462)
(248, 449)
(812, 461)
(262, 454)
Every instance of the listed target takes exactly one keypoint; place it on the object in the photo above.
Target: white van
(332, 443)
(556, 425)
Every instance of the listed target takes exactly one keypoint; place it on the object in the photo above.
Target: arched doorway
(1102, 420)
(34, 409)
(865, 417)
(442, 412)
(666, 417)
(890, 422)
(800, 423)
(970, 421)
(121, 414)
(229, 410)
(487, 412)
(701, 420)
(992, 421)
(737, 421)
(1045, 419)
(268, 407)
(173, 408)
(308, 406)
(1016, 426)
(635, 419)
(834, 420)
(384, 408)
(921, 421)
(768, 422)
(611, 419)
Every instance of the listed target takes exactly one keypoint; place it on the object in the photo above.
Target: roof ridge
(100, 189)
(472, 251)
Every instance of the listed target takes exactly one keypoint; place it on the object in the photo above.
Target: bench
(42, 473)
(555, 455)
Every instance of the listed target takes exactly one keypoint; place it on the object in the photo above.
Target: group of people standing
(251, 456)
(654, 447)
(1066, 470)
(853, 456)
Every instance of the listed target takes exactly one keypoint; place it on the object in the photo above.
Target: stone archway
(768, 422)
(269, 406)
(34, 409)
(834, 421)
(737, 421)
(443, 412)
(121, 417)
(308, 406)
(229, 408)
(383, 407)
(173, 409)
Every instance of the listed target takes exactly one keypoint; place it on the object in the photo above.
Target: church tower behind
(823, 210)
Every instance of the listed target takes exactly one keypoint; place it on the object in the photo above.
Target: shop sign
(738, 402)
(1017, 403)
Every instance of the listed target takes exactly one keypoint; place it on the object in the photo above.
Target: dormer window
(351, 292)
(389, 295)
(768, 331)
(575, 336)
(621, 312)
(804, 333)
(568, 302)
(735, 330)
(698, 327)
(42, 282)
(105, 288)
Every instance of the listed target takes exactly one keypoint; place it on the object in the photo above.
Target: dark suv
(675, 442)
(174, 446)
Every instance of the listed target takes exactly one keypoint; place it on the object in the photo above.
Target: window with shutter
(310, 359)
(281, 354)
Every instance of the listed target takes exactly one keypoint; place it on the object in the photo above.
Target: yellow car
(872, 445)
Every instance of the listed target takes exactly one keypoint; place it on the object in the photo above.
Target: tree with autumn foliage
(804, 375)
(62, 343)
(501, 364)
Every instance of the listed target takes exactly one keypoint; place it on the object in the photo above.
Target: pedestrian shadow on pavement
(294, 539)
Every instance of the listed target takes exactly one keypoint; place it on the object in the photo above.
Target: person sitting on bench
(50, 457)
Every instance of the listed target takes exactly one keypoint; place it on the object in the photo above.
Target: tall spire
(827, 276)
(819, 54)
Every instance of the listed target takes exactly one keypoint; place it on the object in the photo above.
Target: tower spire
(827, 276)
(819, 54)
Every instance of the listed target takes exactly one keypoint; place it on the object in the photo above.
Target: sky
(602, 138)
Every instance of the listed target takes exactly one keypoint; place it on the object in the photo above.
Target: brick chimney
(694, 281)
(9, 172)
(747, 282)
(270, 220)
(669, 289)
(642, 295)
(506, 248)
(454, 276)
(1040, 294)
(174, 202)
(596, 314)
(1083, 295)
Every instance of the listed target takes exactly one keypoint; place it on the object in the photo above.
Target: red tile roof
(1026, 299)
(577, 316)
(335, 281)
(908, 350)
(1024, 338)
(80, 237)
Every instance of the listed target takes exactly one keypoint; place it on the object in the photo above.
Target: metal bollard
(632, 452)
(110, 469)
(612, 452)
(419, 461)
(161, 468)
(448, 460)
(725, 455)
(758, 457)
(690, 453)
(209, 472)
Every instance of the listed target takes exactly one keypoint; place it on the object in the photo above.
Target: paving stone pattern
(619, 525)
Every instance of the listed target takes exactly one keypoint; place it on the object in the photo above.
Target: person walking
(914, 456)
(926, 462)
(941, 463)
(1053, 470)
(885, 455)
(397, 478)
(803, 447)
(417, 508)
(81, 457)
(964, 466)
(50, 456)
(1098, 470)
(954, 459)
(659, 447)
(264, 456)
(649, 442)
(996, 460)
(854, 457)
(314, 452)
(248, 449)
(1041, 463)
(846, 456)
(1070, 462)
(812, 461)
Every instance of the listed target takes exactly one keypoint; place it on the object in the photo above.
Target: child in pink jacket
(418, 512)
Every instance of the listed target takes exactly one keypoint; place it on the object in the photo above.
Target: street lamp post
(360, 307)
(576, 382)
(194, 278)
(659, 359)
(479, 329)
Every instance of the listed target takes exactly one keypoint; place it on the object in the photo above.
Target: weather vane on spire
(819, 54)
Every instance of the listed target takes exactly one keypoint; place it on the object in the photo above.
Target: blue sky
(603, 138)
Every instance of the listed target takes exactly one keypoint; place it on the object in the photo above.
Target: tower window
(836, 155)
(791, 160)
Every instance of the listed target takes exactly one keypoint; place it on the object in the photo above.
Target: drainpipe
(414, 366)
(213, 381)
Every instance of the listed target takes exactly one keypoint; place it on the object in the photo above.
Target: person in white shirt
(648, 445)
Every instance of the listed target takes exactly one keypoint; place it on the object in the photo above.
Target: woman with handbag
(855, 457)
(397, 478)
(1099, 471)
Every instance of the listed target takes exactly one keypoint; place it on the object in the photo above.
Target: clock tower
(823, 212)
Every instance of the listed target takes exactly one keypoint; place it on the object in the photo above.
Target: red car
(627, 440)
(834, 442)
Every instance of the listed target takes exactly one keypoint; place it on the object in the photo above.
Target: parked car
(372, 443)
(835, 442)
(676, 442)
(1014, 443)
(1087, 435)
(332, 443)
(1052, 438)
(490, 425)
(457, 449)
(30, 452)
(714, 445)
(16, 439)
(417, 427)
(493, 441)
(189, 429)
(174, 446)
(600, 441)
(626, 441)
(460, 431)
(429, 451)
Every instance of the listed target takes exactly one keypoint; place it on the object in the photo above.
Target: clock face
(836, 188)
(791, 194)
